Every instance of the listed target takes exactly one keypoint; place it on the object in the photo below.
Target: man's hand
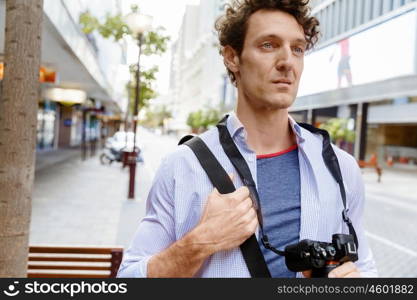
(227, 221)
(347, 270)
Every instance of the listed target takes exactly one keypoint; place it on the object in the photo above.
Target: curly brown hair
(232, 26)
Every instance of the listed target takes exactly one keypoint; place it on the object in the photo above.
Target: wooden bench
(372, 163)
(74, 262)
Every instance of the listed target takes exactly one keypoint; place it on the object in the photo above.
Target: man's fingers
(353, 275)
(250, 216)
(240, 194)
(215, 192)
(245, 205)
(307, 274)
(253, 225)
(344, 270)
(232, 176)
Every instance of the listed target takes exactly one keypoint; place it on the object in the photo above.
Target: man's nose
(284, 59)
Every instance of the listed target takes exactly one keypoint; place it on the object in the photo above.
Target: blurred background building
(365, 68)
(83, 76)
(198, 76)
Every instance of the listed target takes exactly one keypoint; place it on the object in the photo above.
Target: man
(190, 230)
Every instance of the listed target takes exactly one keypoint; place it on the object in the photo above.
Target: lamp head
(138, 23)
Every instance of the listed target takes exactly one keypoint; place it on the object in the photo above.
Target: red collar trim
(292, 148)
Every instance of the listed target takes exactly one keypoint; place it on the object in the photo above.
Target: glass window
(413, 99)
(343, 16)
(359, 12)
(387, 6)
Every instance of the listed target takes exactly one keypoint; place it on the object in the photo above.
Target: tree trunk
(18, 120)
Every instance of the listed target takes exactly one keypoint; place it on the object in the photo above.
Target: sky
(166, 13)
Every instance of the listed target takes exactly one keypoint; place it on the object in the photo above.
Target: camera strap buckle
(265, 242)
(350, 226)
(346, 217)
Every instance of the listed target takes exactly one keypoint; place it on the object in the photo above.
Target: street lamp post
(138, 25)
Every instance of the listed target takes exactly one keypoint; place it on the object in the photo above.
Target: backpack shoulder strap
(185, 139)
(251, 252)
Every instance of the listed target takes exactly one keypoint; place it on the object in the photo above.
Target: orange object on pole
(1, 70)
(46, 75)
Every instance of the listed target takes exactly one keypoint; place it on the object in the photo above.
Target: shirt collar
(296, 129)
(236, 127)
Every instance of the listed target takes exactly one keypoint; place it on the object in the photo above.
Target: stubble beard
(279, 102)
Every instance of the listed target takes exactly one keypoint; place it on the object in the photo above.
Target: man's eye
(267, 45)
(299, 50)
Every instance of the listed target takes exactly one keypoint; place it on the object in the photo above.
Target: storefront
(392, 132)
(68, 115)
(46, 134)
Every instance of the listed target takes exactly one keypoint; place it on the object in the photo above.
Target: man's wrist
(196, 243)
(181, 259)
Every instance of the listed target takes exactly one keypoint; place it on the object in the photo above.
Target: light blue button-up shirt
(180, 189)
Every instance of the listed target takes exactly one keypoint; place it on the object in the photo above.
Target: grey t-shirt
(279, 193)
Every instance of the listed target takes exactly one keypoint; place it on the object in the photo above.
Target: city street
(85, 203)
(391, 221)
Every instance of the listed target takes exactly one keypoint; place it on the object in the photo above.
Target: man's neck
(268, 131)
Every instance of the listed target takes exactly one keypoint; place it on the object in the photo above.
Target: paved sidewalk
(47, 159)
(77, 203)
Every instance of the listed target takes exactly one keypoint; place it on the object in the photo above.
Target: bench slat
(73, 262)
(63, 267)
(76, 250)
(73, 259)
(40, 274)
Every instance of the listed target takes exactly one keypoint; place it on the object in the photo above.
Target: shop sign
(46, 75)
(67, 96)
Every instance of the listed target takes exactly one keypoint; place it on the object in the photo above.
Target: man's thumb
(215, 192)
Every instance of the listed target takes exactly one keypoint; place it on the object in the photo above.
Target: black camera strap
(332, 164)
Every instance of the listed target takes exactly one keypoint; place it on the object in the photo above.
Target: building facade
(365, 69)
(198, 76)
(81, 90)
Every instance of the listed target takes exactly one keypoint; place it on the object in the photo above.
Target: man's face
(272, 60)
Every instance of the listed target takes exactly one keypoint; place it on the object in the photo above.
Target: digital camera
(321, 257)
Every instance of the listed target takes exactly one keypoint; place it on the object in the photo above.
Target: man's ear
(231, 59)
